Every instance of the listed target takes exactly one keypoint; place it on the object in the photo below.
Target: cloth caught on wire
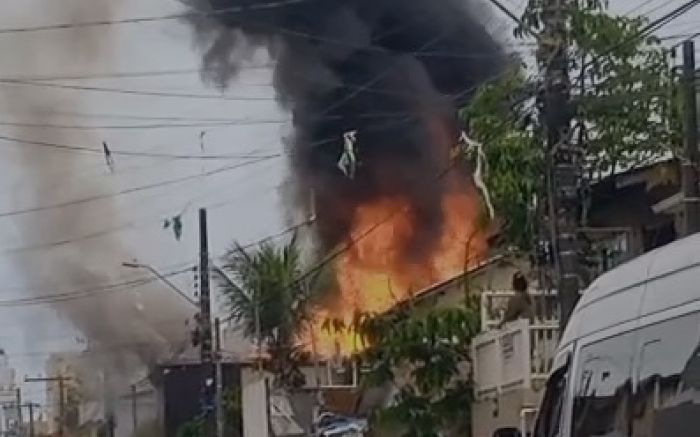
(348, 161)
(471, 146)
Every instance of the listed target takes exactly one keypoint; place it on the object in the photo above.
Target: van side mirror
(507, 432)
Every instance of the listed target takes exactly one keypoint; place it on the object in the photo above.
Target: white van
(628, 363)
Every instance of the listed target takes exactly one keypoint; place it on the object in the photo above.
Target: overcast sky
(244, 203)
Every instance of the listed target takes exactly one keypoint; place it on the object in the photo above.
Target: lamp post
(166, 281)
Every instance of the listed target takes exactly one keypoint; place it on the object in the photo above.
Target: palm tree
(269, 296)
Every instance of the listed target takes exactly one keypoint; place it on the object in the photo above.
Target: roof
(640, 286)
(441, 287)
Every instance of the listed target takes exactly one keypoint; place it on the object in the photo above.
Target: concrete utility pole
(565, 158)
(20, 422)
(61, 380)
(205, 322)
(134, 409)
(30, 406)
(204, 290)
(689, 181)
(220, 422)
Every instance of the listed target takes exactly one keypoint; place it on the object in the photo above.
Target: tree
(626, 114)
(193, 428)
(269, 297)
(424, 358)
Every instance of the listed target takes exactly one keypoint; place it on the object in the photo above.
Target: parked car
(333, 425)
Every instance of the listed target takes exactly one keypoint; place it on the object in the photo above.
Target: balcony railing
(518, 356)
(493, 306)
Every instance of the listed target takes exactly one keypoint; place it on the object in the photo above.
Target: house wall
(496, 276)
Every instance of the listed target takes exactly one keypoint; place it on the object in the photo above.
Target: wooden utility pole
(691, 197)
(61, 380)
(564, 158)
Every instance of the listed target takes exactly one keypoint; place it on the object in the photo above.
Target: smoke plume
(124, 328)
(392, 70)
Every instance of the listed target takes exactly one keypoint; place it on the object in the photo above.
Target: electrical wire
(156, 18)
(92, 150)
(112, 230)
(141, 188)
(87, 292)
(127, 91)
(200, 125)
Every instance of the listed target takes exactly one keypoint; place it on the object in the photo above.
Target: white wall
(254, 399)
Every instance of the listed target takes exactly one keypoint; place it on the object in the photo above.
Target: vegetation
(625, 112)
(425, 359)
(193, 428)
(269, 296)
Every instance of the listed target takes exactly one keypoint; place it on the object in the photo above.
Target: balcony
(519, 355)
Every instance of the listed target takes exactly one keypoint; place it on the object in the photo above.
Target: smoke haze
(393, 70)
(125, 327)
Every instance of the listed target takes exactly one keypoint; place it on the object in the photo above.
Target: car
(333, 425)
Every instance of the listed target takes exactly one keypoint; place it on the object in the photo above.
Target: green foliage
(233, 411)
(267, 284)
(626, 116)
(423, 357)
(193, 428)
(626, 112)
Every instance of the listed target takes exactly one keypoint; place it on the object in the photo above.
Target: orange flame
(374, 275)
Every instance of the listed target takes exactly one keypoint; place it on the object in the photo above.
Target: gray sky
(244, 204)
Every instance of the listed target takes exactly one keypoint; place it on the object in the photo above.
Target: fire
(374, 274)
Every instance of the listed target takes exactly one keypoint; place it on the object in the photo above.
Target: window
(667, 402)
(549, 418)
(603, 388)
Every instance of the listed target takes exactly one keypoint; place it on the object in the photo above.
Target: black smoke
(393, 70)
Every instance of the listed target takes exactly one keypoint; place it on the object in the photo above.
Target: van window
(603, 388)
(667, 402)
(549, 417)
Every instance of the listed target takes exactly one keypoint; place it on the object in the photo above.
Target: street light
(136, 265)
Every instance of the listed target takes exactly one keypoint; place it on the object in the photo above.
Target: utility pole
(30, 406)
(204, 290)
(206, 353)
(20, 422)
(61, 380)
(689, 169)
(134, 409)
(565, 158)
(219, 380)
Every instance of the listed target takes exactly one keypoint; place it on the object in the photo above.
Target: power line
(642, 5)
(221, 124)
(112, 230)
(130, 74)
(116, 116)
(126, 91)
(88, 292)
(157, 18)
(132, 190)
(92, 150)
